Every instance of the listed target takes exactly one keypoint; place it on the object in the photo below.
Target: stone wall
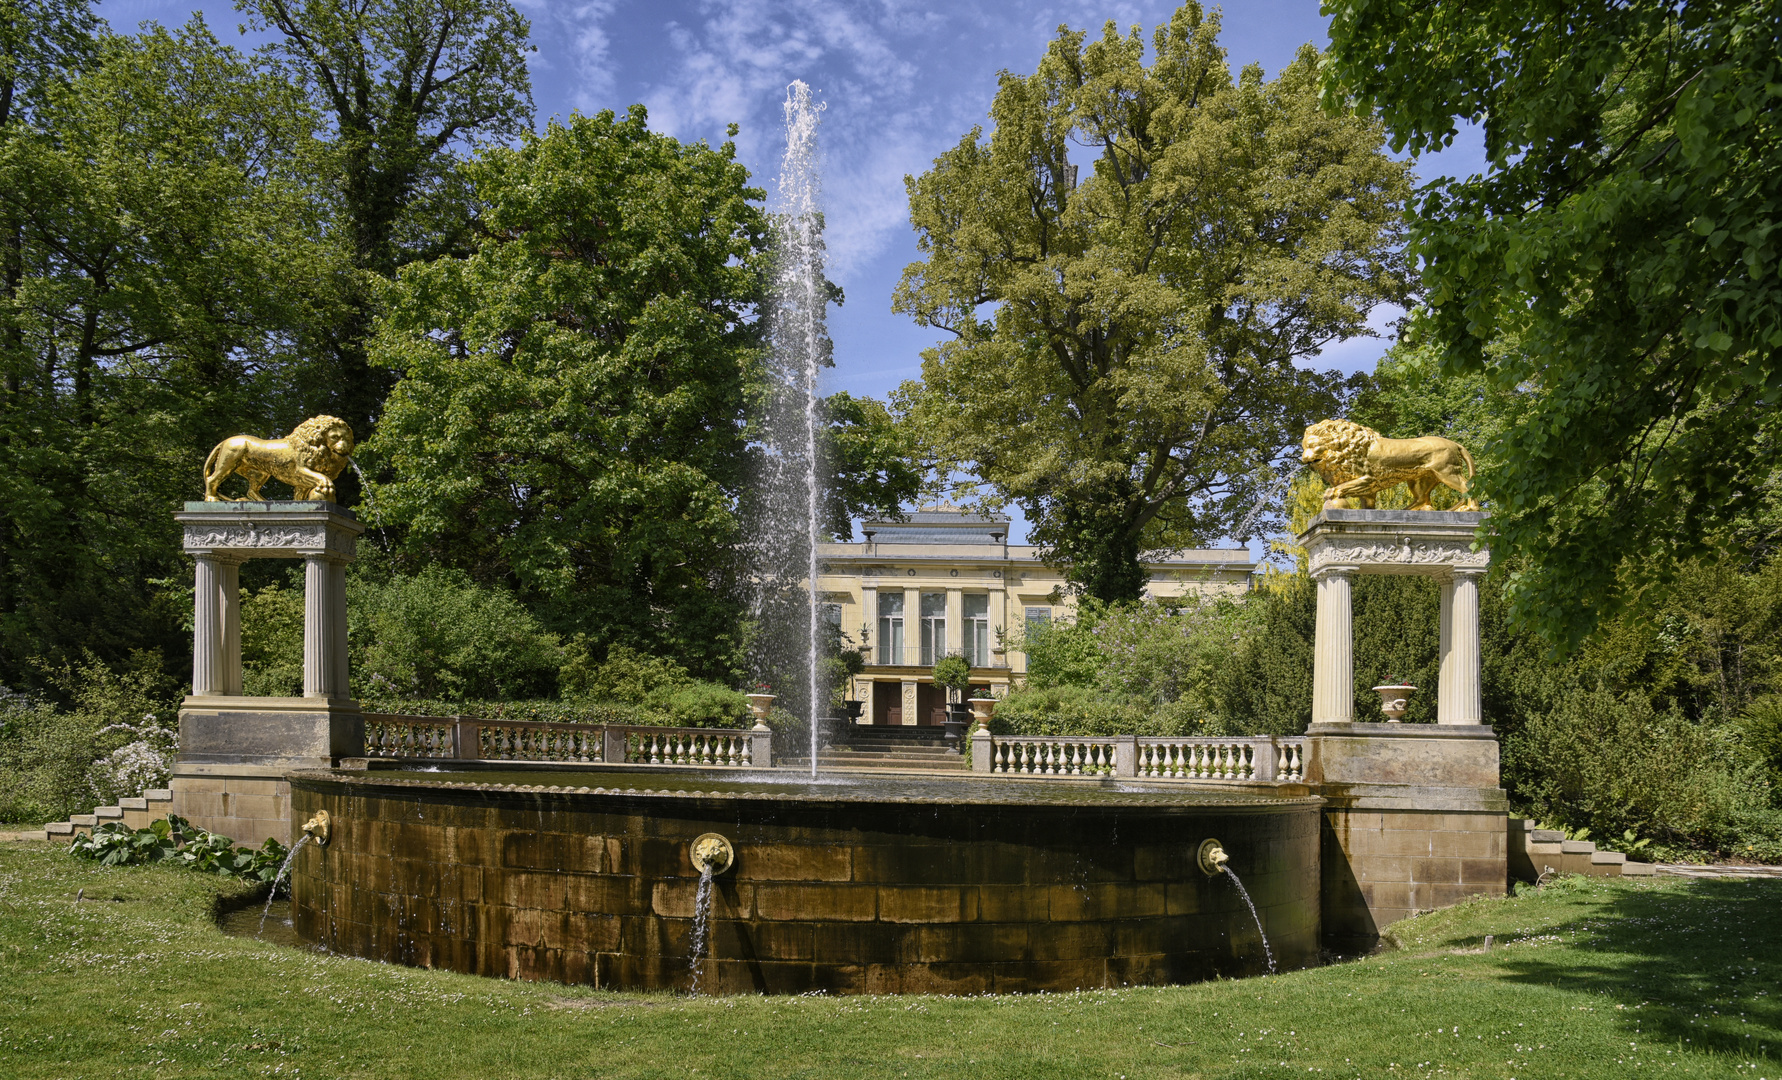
(829, 894)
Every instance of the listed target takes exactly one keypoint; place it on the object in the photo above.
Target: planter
(1394, 700)
(981, 707)
(958, 719)
(760, 705)
(851, 710)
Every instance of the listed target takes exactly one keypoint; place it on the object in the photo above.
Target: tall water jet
(790, 524)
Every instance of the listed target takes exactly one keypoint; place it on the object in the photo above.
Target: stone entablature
(1395, 541)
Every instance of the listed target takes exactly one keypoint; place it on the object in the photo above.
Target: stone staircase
(136, 813)
(1534, 852)
(907, 748)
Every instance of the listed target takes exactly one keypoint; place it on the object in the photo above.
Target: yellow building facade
(946, 582)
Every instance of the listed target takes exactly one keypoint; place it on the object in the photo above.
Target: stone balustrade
(465, 738)
(1264, 758)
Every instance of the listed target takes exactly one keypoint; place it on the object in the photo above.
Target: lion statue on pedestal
(308, 459)
(1358, 463)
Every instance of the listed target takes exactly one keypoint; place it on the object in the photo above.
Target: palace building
(946, 581)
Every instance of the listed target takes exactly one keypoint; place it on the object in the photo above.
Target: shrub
(425, 635)
(116, 738)
(1612, 763)
(625, 674)
(705, 704)
(1077, 710)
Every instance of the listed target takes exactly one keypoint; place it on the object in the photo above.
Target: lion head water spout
(712, 854)
(1213, 862)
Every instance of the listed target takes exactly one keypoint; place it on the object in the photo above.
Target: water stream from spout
(283, 869)
(1245, 893)
(702, 917)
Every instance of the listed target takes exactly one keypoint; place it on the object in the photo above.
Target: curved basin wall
(832, 890)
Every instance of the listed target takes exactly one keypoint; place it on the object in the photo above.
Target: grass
(1589, 978)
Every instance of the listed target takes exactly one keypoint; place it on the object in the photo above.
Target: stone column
(1445, 653)
(869, 619)
(321, 637)
(1468, 706)
(337, 589)
(228, 575)
(955, 622)
(1333, 663)
(207, 629)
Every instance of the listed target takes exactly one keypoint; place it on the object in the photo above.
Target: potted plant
(953, 674)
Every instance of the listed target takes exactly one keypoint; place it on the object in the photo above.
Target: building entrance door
(931, 704)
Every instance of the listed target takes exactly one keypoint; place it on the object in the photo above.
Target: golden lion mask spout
(1358, 463)
(309, 459)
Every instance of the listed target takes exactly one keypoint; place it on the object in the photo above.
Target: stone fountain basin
(943, 885)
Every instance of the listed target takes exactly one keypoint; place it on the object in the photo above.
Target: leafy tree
(1618, 258)
(870, 463)
(1124, 349)
(166, 243)
(570, 420)
(406, 83)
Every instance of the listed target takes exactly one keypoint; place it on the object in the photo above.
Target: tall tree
(407, 85)
(1618, 258)
(1124, 352)
(166, 247)
(570, 420)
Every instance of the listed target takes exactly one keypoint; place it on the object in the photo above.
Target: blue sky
(901, 80)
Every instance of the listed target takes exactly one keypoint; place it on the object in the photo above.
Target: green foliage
(160, 245)
(870, 460)
(1123, 353)
(115, 740)
(1612, 763)
(406, 87)
(952, 672)
(1165, 667)
(1760, 729)
(436, 634)
(1617, 261)
(1082, 710)
(625, 674)
(174, 839)
(570, 418)
(430, 634)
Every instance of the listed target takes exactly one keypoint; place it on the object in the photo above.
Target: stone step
(1638, 869)
(31, 834)
(86, 821)
(882, 748)
(134, 804)
(956, 764)
(1608, 858)
(59, 828)
(1545, 836)
(108, 813)
(158, 794)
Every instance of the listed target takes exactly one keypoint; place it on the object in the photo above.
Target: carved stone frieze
(255, 538)
(1402, 554)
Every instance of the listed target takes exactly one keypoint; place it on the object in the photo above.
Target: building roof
(936, 526)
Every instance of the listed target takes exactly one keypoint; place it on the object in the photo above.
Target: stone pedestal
(1414, 819)
(234, 749)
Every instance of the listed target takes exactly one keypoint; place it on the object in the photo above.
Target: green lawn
(1588, 978)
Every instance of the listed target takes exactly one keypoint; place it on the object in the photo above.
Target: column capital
(219, 557)
(1338, 571)
(1473, 572)
(324, 555)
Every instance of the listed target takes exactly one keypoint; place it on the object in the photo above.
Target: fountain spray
(801, 349)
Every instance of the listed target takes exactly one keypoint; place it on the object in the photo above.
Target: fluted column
(1445, 654)
(1333, 662)
(955, 622)
(337, 587)
(228, 578)
(1464, 620)
(323, 609)
(207, 629)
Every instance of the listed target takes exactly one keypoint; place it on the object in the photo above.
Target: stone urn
(981, 708)
(851, 710)
(958, 719)
(760, 705)
(1394, 700)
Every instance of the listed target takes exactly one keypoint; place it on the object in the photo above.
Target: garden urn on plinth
(760, 705)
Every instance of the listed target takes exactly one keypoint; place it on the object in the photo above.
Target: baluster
(1226, 771)
(748, 749)
(1299, 763)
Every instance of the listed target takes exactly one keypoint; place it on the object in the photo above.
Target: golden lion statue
(1356, 462)
(308, 459)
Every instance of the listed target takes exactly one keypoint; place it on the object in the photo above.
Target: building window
(890, 628)
(977, 629)
(934, 628)
(1038, 618)
(832, 614)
